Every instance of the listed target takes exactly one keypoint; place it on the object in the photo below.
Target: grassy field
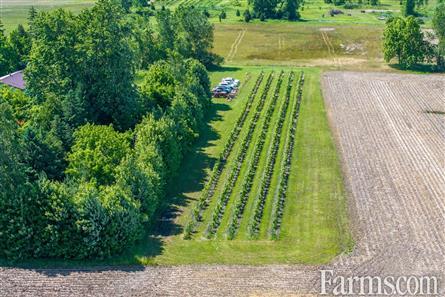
(313, 11)
(14, 12)
(354, 46)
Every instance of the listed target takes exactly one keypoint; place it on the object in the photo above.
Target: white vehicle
(234, 83)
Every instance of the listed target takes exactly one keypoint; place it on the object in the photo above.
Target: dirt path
(235, 45)
(391, 133)
(330, 47)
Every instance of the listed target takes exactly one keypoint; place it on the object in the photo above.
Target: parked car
(228, 87)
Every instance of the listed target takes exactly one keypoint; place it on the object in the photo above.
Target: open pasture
(337, 47)
(311, 11)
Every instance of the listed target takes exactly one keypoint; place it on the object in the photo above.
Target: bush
(96, 153)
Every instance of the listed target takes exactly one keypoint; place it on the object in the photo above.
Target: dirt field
(391, 133)
(390, 130)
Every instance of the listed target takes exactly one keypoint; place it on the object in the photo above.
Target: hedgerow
(87, 154)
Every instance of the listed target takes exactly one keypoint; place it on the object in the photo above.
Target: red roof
(14, 80)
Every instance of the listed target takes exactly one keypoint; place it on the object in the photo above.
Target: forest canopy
(86, 154)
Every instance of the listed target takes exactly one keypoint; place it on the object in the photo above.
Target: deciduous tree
(439, 28)
(404, 40)
(96, 152)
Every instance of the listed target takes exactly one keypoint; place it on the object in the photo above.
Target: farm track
(330, 47)
(234, 48)
(391, 139)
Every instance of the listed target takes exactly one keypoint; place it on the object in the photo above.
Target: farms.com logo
(339, 285)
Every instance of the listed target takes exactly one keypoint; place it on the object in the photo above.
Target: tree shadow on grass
(191, 176)
(421, 68)
(223, 69)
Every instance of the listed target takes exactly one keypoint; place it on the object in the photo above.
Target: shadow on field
(437, 112)
(421, 68)
(191, 176)
(223, 69)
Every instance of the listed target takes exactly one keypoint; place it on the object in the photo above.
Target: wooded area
(86, 155)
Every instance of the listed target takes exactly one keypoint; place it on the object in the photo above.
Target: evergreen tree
(16, 194)
(266, 8)
(408, 7)
(291, 10)
(20, 46)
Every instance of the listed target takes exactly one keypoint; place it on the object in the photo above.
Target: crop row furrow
(272, 157)
(248, 182)
(218, 211)
(220, 163)
(280, 198)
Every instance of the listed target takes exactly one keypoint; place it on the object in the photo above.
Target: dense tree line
(404, 40)
(274, 9)
(86, 155)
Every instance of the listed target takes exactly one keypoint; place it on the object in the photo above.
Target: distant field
(14, 12)
(312, 11)
(337, 46)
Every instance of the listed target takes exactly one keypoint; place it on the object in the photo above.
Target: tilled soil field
(390, 131)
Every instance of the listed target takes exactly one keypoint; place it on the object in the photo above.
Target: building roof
(14, 80)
